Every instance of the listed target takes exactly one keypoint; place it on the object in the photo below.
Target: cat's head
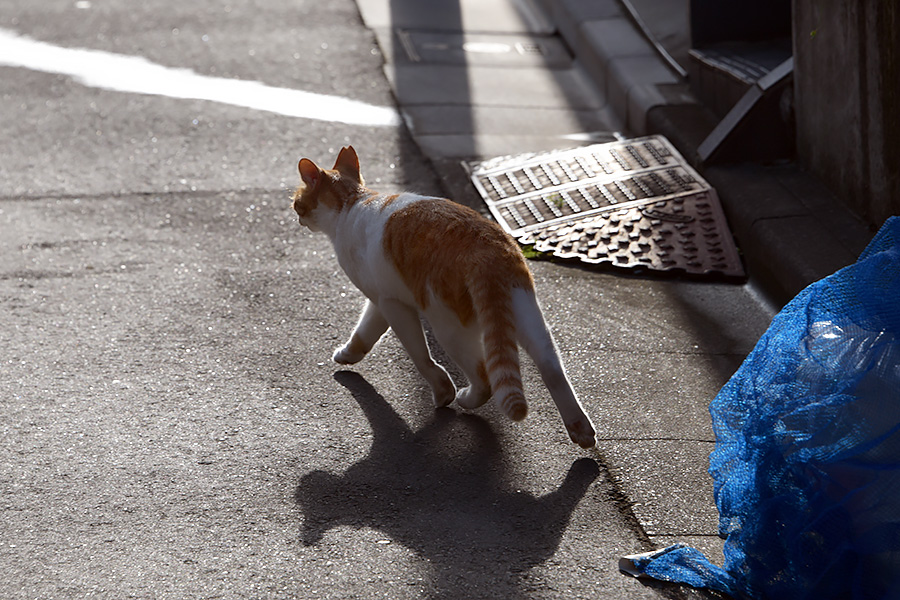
(323, 193)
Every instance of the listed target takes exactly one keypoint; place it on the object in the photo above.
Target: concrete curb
(791, 229)
(622, 63)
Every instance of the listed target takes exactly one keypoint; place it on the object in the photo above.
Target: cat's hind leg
(464, 346)
(537, 341)
(368, 331)
(478, 392)
(404, 320)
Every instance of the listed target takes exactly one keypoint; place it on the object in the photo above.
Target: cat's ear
(309, 173)
(347, 163)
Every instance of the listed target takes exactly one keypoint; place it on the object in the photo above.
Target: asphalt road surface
(171, 425)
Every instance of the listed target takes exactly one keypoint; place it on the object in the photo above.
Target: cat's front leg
(368, 331)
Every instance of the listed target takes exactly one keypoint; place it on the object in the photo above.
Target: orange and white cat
(412, 255)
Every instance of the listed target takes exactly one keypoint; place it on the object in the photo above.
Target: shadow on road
(441, 492)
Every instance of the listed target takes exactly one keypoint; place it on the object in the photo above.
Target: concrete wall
(847, 99)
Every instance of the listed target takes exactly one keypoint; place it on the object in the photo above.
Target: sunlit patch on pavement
(137, 75)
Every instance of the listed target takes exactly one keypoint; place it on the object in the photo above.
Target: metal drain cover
(631, 204)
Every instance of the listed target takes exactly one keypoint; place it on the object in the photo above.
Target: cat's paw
(345, 356)
(444, 391)
(582, 432)
(472, 398)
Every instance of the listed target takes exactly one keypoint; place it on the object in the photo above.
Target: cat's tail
(493, 306)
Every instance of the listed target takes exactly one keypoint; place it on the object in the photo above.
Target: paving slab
(567, 125)
(652, 396)
(681, 500)
(507, 50)
(492, 86)
(672, 317)
(455, 15)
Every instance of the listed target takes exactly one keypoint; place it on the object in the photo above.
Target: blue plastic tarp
(806, 467)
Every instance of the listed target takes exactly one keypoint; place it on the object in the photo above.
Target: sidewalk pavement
(482, 79)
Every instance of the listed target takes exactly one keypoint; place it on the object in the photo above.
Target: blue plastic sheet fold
(806, 467)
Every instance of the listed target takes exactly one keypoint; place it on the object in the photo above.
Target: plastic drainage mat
(633, 204)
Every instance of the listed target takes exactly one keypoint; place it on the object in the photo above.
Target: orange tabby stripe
(388, 200)
(514, 406)
(500, 347)
(385, 200)
(508, 380)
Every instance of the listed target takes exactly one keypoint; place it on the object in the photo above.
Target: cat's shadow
(442, 492)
